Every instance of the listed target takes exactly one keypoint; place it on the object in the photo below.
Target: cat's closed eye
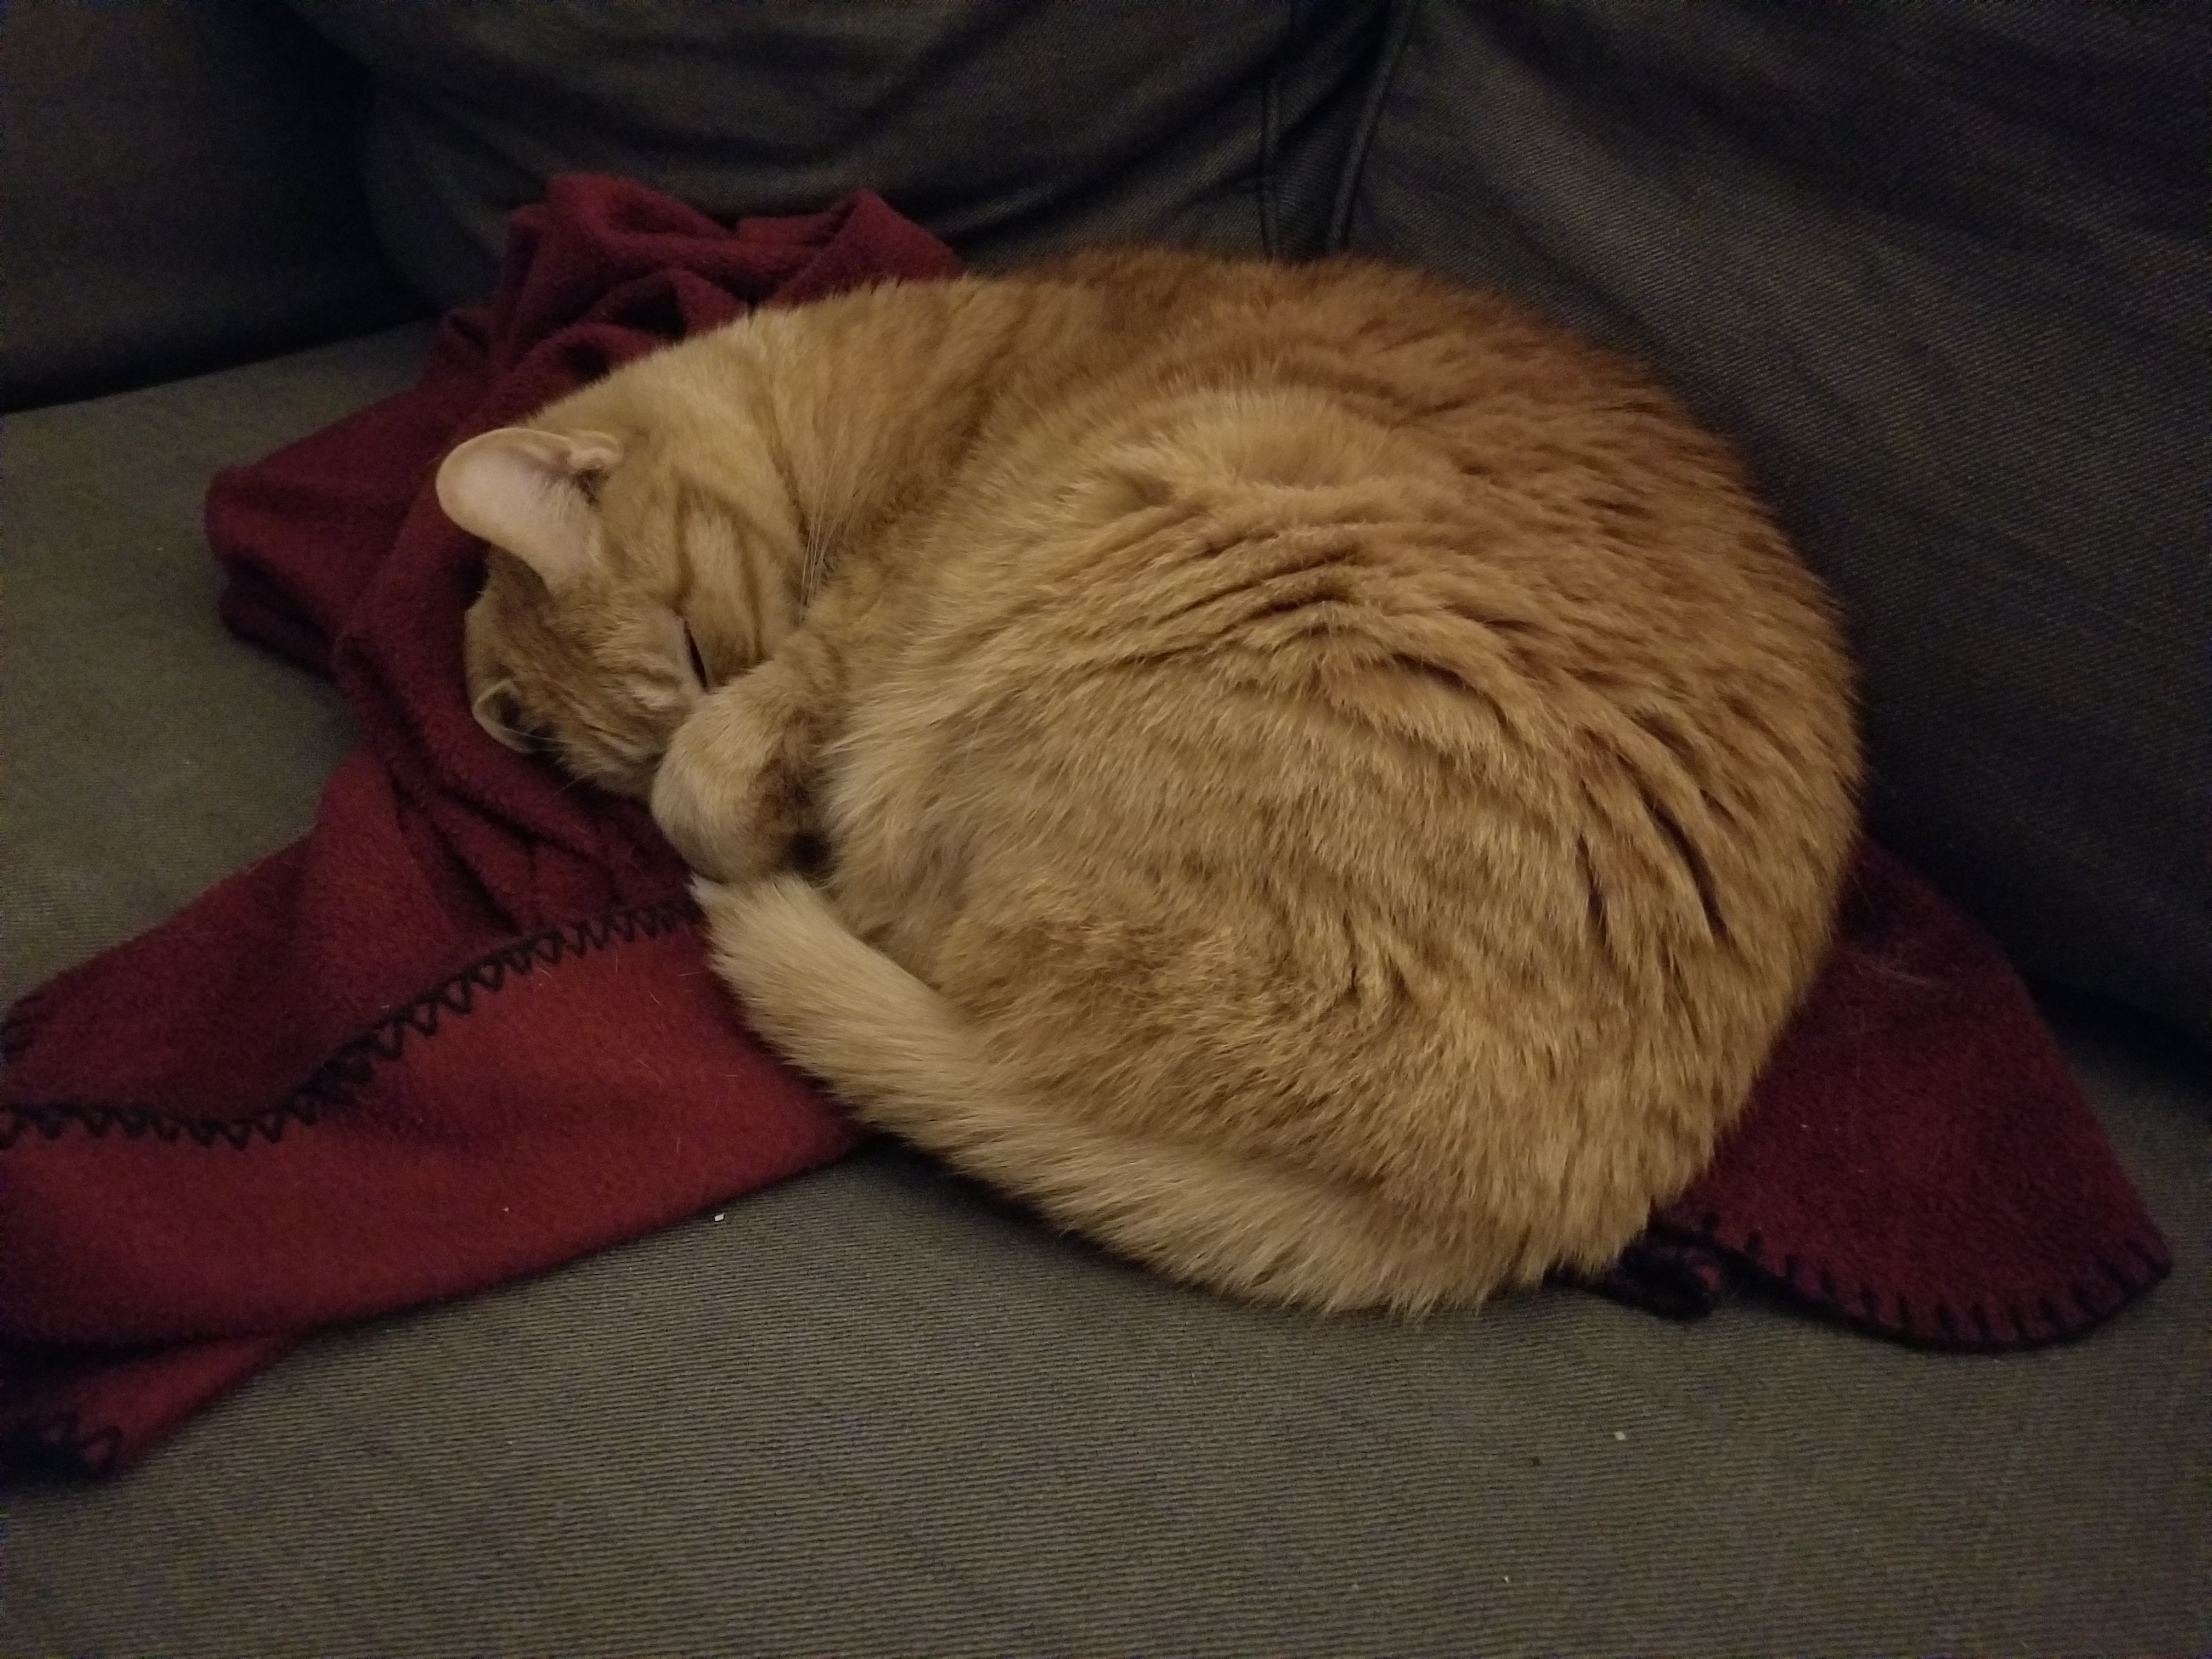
(697, 658)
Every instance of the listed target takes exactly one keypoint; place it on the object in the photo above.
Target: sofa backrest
(178, 191)
(1941, 270)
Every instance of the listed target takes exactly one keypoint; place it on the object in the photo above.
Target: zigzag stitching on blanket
(21, 1024)
(349, 1069)
(2088, 1302)
(57, 1448)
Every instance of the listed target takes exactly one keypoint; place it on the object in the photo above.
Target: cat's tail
(909, 1061)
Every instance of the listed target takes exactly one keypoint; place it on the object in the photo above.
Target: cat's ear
(526, 490)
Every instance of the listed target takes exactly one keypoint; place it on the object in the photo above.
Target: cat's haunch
(1328, 785)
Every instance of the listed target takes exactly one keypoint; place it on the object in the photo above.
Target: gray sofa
(1940, 270)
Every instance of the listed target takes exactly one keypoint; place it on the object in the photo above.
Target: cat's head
(628, 572)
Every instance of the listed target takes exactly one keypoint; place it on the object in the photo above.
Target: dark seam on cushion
(1396, 30)
(1263, 159)
(350, 1068)
(1265, 193)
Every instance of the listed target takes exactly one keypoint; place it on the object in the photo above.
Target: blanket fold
(464, 1031)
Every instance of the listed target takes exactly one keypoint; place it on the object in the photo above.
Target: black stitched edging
(1995, 1329)
(1660, 1277)
(342, 1077)
(21, 1024)
(57, 1449)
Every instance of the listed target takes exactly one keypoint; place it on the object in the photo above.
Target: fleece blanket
(463, 1030)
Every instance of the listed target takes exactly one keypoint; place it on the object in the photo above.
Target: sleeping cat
(1325, 785)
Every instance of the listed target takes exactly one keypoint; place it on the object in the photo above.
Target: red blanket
(464, 1031)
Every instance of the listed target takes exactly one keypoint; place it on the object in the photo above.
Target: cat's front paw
(724, 797)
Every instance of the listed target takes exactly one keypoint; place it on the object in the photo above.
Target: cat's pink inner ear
(520, 489)
(590, 451)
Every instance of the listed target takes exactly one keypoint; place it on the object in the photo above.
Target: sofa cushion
(1003, 126)
(178, 189)
(1941, 270)
(149, 754)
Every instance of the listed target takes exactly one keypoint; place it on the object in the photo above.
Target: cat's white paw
(702, 814)
(721, 796)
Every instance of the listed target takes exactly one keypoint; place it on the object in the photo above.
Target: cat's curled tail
(906, 1060)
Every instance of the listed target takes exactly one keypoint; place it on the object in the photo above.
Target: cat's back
(1538, 498)
(1462, 401)
(1412, 341)
(1301, 541)
(1352, 484)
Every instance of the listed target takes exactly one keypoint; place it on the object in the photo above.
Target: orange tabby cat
(1329, 786)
